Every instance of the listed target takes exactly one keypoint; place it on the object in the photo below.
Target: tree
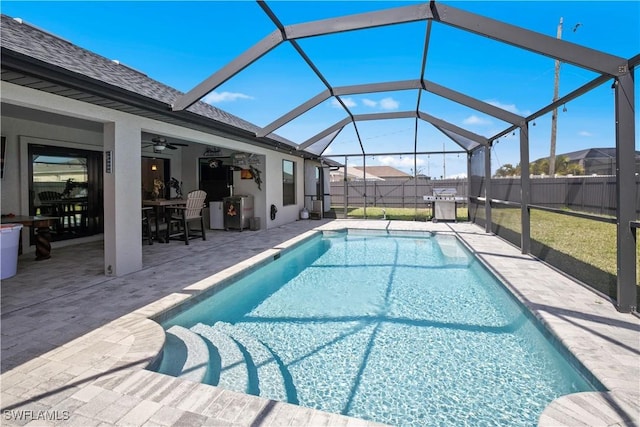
(541, 166)
(505, 170)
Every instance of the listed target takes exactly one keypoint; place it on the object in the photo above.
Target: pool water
(399, 329)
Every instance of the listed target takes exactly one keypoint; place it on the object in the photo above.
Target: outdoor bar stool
(180, 217)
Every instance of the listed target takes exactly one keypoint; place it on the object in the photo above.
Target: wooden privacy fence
(593, 194)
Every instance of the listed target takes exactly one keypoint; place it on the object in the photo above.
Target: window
(66, 183)
(288, 183)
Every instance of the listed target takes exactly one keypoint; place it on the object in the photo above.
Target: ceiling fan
(160, 144)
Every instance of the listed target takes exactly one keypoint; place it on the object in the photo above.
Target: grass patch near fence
(592, 242)
(398, 214)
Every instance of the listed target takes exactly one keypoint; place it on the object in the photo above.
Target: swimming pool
(402, 329)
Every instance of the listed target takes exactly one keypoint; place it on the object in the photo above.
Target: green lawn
(403, 214)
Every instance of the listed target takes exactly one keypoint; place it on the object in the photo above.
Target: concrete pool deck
(75, 342)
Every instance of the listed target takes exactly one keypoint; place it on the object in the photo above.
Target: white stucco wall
(121, 130)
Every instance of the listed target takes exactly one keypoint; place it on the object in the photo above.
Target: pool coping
(563, 407)
(110, 362)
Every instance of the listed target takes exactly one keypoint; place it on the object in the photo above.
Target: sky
(182, 43)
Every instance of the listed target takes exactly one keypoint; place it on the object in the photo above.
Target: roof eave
(25, 64)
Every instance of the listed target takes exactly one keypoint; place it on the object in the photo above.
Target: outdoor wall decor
(244, 159)
(255, 172)
(177, 186)
(246, 174)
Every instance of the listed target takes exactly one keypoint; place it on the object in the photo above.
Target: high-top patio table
(158, 204)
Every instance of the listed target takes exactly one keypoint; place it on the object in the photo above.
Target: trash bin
(9, 241)
(254, 223)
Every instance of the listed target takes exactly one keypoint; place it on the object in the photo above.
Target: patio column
(346, 187)
(122, 198)
(487, 188)
(525, 190)
(625, 190)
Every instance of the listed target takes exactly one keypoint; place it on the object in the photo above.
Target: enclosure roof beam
(559, 49)
(429, 86)
(330, 141)
(247, 58)
(439, 123)
(328, 131)
(406, 153)
(510, 34)
(385, 116)
(360, 21)
(377, 87)
(567, 98)
(337, 91)
(293, 32)
(470, 102)
(296, 112)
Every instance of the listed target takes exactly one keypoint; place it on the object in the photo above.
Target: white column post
(122, 198)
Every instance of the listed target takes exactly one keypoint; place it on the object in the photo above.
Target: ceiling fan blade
(171, 147)
(179, 143)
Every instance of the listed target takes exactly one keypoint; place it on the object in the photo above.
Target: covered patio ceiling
(320, 111)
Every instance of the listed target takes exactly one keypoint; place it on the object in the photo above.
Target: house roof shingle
(385, 171)
(38, 44)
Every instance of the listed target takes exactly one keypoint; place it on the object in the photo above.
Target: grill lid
(445, 193)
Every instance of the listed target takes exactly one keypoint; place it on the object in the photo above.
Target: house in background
(353, 174)
(385, 172)
(373, 173)
(63, 106)
(596, 161)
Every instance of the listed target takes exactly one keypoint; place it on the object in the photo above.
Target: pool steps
(185, 354)
(234, 374)
(263, 359)
(244, 361)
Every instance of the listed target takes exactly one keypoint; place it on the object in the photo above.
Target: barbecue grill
(445, 203)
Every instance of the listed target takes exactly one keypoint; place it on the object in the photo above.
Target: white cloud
(585, 133)
(389, 104)
(457, 175)
(215, 97)
(403, 162)
(475, 120)
(384, 104)
(369, 103)
(509, 107)
(349, 102)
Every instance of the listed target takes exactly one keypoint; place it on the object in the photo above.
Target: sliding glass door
(67, 183)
